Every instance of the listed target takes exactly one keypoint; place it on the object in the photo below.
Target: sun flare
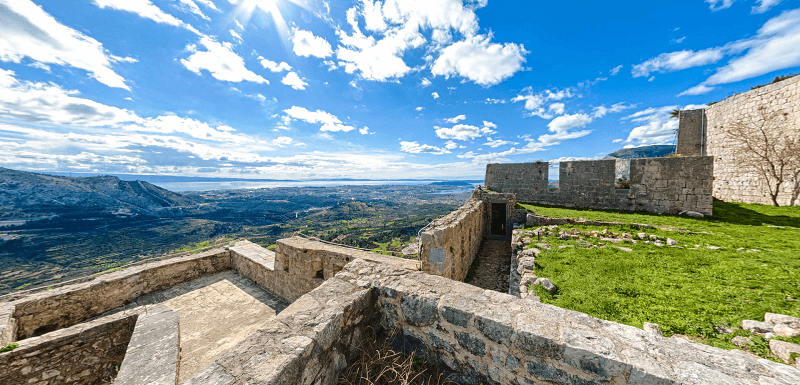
(246, 8)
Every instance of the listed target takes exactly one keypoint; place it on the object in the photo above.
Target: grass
(9, 347)
(687, 290)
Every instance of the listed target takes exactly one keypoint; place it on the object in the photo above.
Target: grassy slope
(684, 291)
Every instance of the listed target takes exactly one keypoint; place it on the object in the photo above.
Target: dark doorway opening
(498, 219)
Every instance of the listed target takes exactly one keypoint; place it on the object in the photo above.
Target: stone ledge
(153, 352)
(8, 325)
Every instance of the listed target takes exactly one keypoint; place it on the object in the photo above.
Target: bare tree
(766, 145)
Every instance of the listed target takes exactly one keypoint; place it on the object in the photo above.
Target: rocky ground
(492, 265)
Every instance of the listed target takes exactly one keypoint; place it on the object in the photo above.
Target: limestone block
(756, 327)
(780, 319)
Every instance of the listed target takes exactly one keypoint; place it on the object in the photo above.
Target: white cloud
(291, 79)
(697, 90)
(364, 130)
(676, 61)
(497, 143)
(306, 44)
(236, 35)
(557, 108)
(416, 148)
(602, 111)
(479, 60)
(657, 127)
(716, 5)
(145, 9)
(220, 61)
(420, 108)
(465, 131)
(193, 128)
(424, 82)
(28, 31)
(765, 5)
(36, 102)
(273, 66)
(678, 41)
(495, 101)
(773, 48)
(329, 121)
(435, 95)
(561, 127)
(450, 145)
(614, 71)
(191, 6)
(456, 119)
(534, 102)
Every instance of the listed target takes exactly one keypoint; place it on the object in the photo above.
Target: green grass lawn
(684, 290)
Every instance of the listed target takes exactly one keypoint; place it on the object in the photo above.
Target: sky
(311, 89)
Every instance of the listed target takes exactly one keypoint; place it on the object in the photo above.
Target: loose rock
(784, 350)
(742, 342)
(671, 242)
(780, 319)
(624, 249)
(544, 246)
(547, 285)
(756, 327)
(785, 331)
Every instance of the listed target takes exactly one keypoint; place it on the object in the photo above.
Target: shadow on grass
(744, 214)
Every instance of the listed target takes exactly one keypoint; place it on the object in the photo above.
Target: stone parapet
(87, 353)
(153, 352)
(658, 185)
(62, 307)
(450, 244)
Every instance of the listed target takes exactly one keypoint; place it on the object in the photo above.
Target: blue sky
(294, 89)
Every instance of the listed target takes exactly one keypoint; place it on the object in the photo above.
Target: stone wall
(732, 183)
(299, 265)
(8, 325)
(449, 245)
(66, 306)
(476, 336)
(691, 133)
(658, 185)
(88, 353)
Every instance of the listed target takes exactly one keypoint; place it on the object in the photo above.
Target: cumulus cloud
(220, 61)
(420, 108)
(760, 7)
(191, 7)
(697, 90)
(435, 95)
(480, 60)
(306, 44)
(456, 119)
(145, 9)
(416, 148)
(329, 121)
(273, 66)
(497, 143)
(291, 79)
(450, 145)
(236, 35)
(424, 82)
(534, 102)
(28, 31)
(601, 111)
(465, 131)
(383, 32)
(614, 71)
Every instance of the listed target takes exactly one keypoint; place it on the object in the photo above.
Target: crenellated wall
(658, 185)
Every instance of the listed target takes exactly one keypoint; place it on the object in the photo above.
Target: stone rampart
(475, 335)
(658, 185)
(731, 181)
(62, 307)
(450, 244)
(87, 353)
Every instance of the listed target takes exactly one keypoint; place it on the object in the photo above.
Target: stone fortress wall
(337, 294)
(702, 132)
(658, 185)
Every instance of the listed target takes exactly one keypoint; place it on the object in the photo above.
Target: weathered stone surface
(8, 325)
(671, 242)
(651, 328)
(451, 243)
(780, 319)
(153, 352)
(756, 327)
(784, 350)
(742, 342)
(785, 331)
(547, 285)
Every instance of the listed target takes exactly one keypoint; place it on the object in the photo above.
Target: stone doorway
(499, 220)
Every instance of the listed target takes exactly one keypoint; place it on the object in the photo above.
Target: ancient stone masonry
(658, 185)
(153, 352)
(703, 132)
(449, 246)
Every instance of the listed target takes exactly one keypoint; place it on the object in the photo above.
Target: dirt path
(494, 262)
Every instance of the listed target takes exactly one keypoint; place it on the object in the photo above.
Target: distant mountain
(453, 183)
(26, 195)
(656, 151)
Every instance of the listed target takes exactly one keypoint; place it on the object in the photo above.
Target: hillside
(30, 195)
(656, 151)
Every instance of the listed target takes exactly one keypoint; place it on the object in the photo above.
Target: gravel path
(494, 262)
